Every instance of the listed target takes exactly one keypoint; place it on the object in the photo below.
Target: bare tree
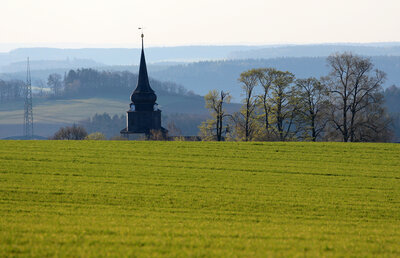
(353, 86)
(215, 128)
(54, 82)
(2, 91)
(373, 123)
(283, 105)
(245, 119)
(40, 84)
(266, 77)
(11, 90)
(314, 106)
(173, 130)
(157, 135)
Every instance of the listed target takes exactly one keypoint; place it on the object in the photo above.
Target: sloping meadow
(120, 198)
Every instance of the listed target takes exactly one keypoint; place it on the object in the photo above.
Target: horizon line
(11, 46)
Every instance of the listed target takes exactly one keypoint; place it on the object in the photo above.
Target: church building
(143, 115)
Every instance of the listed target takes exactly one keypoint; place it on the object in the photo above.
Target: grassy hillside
(73, 110)
(61, 111)
(82, 198)
(50, 114)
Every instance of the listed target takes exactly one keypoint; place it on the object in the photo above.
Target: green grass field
(92, 198)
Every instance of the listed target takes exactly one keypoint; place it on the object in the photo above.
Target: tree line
(86, 82)
(90, 82)
(15, 89)
(345, 105)
(11, 90)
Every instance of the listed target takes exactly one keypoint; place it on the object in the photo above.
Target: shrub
(97, 136)
(74, 132)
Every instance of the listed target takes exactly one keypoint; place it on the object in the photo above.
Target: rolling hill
(51, 114)
(200, 77)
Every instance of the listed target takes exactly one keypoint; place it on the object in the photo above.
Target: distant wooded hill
(200, 77)
(121, 56)
(88, 92)
(130, 56)
(317, 51)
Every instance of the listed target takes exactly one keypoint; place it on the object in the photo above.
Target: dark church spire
(143, 116)
(143, 81)
(143, 96)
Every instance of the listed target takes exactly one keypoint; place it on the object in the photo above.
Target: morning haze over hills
(191, 70)
(199, 68)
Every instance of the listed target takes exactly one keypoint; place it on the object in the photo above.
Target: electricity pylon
(28, 113)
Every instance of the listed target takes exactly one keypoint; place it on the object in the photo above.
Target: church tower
(143, 115)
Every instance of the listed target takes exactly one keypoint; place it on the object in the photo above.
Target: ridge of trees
(11, 90)
(203, 76)
(87, 82)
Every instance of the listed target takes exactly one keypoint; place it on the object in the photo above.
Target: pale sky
(114, 23)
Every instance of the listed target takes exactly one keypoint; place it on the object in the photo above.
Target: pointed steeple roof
(143, 97)
(143, 80)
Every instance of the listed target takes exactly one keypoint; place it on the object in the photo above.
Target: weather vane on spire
(142, 29)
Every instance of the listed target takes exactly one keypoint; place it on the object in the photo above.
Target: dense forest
(87, 83)
(90, 82)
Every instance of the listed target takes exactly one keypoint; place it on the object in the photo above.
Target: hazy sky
(80, 23)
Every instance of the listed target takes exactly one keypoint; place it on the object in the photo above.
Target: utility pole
(28, 114)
